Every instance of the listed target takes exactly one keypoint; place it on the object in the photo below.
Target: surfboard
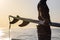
(36, 21)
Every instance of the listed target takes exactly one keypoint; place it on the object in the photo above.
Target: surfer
(44, 31)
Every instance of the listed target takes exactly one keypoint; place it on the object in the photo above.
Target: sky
(26, 9)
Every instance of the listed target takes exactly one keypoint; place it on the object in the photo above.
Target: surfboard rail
(36, 21)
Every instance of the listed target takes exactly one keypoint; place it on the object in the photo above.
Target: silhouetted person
(44, 31)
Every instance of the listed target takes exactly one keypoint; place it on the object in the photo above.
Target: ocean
(27, 34)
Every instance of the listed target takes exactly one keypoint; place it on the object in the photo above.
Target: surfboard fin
(14, 20)
(24, 24)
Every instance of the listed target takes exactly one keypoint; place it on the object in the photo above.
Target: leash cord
(9, 27)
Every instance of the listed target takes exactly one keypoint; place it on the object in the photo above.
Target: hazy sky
(26, 8)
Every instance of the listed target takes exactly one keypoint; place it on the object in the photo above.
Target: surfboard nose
(14, 20)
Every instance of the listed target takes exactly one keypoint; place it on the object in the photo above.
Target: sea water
(27, 34)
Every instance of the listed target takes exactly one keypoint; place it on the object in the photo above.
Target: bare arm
(39, 12)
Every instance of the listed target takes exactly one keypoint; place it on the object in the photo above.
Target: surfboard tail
(55, 24)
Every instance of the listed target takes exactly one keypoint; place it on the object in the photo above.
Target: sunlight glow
(1, 33)
(1, 1)
(5, 39)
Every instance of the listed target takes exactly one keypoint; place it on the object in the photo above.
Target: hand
(42, 22)
(46, 21)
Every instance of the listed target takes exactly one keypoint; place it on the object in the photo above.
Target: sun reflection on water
(1, 33)
(5, 39)
(3, 36)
